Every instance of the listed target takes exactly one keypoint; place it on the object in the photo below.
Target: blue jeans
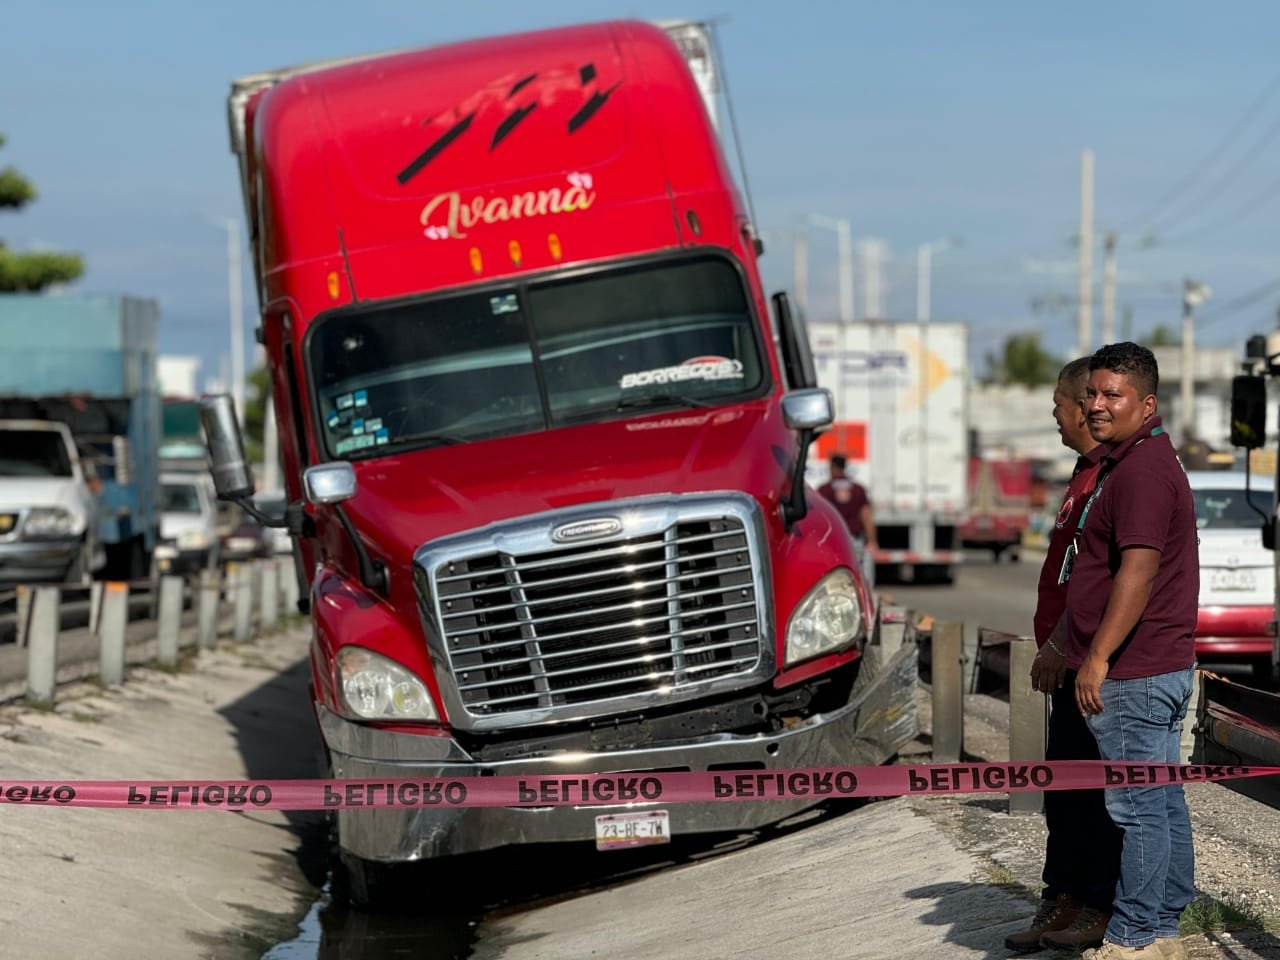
(1141, 722)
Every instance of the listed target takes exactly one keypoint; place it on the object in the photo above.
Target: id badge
(1068, 563)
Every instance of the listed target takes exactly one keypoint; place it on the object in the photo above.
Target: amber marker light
(513, 248)
(334, 284)
(553, 244)
(477, 261)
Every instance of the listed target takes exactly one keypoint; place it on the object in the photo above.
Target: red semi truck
(543, 441)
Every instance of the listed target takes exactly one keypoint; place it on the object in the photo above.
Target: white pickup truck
(48, 505)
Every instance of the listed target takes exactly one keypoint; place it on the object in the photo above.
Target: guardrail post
(207, 609)
(893, 629)
(948, 691)
(289, 584)
(241, 580)
(95, 606)
(269, 600)
(111, 630)
(1027, 720)
(42, 644)
(169, 628)
(23, 601)
(970, 661)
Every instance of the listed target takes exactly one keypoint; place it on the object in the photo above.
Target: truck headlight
(49, 523)
(827, 619)
(374, 687)
(193, 540)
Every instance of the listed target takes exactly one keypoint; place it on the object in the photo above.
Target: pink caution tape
(613, 789)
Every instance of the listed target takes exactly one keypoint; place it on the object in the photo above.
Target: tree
(1023, 360)
(30, 272)
(1162, 336)
(255, 412)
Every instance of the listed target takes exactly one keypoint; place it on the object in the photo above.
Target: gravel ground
(1237, 839)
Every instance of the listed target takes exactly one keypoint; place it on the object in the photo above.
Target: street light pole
(924, 273)
(1193, 294)
(844, 254)
(235, 309)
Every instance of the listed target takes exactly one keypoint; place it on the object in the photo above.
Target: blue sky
(914, 120)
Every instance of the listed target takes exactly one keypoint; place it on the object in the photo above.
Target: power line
(1242, 302)
(1223, 183)
(1209, 159)
(1252, 206)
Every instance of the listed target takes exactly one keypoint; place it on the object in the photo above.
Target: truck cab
(544, 440)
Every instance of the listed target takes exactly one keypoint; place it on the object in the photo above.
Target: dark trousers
(1082, 855)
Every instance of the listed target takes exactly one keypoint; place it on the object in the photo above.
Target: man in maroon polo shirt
(851, 500)
(1082, 849)
(1128, 633)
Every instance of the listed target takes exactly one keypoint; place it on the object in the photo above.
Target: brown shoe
(1086, 930)
(1055, 914)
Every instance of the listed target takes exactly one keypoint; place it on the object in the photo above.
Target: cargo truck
(88, 362)
(901, 419)
(543, 442)
(1239, 723)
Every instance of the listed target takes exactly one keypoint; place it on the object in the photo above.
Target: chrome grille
(577, 630)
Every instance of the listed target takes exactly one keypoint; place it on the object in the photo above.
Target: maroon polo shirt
(1143, 500)
(1051, 596)
(849, 498)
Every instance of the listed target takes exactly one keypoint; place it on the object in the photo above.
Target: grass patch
(1209, 914)
(79, 717)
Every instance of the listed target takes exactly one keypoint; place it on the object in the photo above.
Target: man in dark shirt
(853, 504)
(1129, 635)
(1082, 850)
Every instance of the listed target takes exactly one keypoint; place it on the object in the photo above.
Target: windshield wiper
(659, 400)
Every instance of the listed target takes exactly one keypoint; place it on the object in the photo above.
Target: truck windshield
(533, 356)
(34, 453)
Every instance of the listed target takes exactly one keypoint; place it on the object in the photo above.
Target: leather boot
(1086, 930)
(1055, 914)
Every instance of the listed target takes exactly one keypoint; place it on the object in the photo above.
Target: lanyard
(1102, 476)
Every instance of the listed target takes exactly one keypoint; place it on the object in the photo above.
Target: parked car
(49, 507)
(1237, 573)
(188, 523)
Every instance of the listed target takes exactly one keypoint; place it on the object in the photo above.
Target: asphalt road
(1001, 596)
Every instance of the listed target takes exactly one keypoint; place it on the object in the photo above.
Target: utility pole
(1193, 294)
(1084, 317)
(1109, 287)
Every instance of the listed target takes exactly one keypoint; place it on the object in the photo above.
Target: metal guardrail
(124, 627)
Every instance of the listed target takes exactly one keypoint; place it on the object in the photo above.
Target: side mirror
(329, 482)
(797, 356)
(1248, 411)
(232, 477)
(808, 409)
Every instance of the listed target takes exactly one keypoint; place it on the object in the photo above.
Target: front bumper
(36, 561)
(876, 721)
(1234, 632)
(170, 559)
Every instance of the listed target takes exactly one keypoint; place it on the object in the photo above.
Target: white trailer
(900, 390)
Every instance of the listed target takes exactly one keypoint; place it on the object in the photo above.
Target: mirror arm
(796, 507)
(373, 573)
(247, 505)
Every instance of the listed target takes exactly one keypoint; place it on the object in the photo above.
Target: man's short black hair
(1131, 360)
(838, 460)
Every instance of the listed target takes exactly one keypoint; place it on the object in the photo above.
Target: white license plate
(1232, 580)
(615, 831)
